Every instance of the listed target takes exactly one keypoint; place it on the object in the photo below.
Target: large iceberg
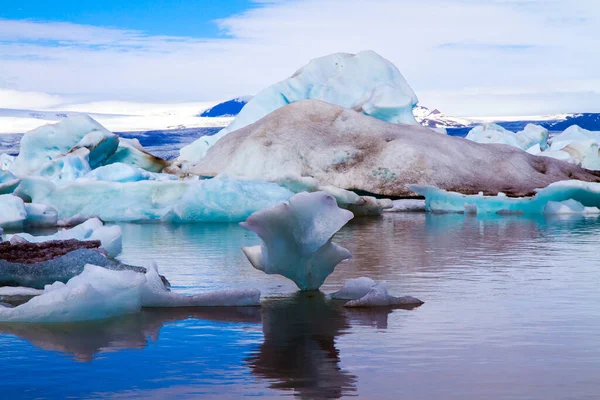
(364, 82)
(556, 198)
(339, 148)
(110, 237)
(211, 200)
(50, 142)
(296, 239)
(99, 293)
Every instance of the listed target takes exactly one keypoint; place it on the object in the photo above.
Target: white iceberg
(378, 296)
(364, 82)
(110, 237)
(211, 200)
(50, 142)
(296, 238)
(354, 289)
(532, 135)
(99, 293)
(569, 207)
(587, 194)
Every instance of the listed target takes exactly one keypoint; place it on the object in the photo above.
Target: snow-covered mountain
(229, 108)
(436, 119)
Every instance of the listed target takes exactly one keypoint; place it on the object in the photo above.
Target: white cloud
(465, 57)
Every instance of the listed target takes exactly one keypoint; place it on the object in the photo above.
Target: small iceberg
(296, 238)
(365, 292)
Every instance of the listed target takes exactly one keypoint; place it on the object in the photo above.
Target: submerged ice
(296, 239)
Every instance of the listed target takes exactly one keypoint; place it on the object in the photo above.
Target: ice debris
(365, 292)
(110, 237)
(296, 239)
(558, 197)
(364, 82)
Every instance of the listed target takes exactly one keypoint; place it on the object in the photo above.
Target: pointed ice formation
(296, 238)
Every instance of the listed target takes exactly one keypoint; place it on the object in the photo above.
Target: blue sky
(465, 57)
(158, 17)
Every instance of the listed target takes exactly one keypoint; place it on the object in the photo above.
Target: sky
(464, 57)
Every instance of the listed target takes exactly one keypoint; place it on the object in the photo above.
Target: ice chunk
(119, 172)
(66, 168)
(97, 293)
(19, 291)
(354, 289)
(49, 142)
(407, 205)
(12, 211)
(578, 146)
(532, 135)
(585, 193)
(131, 152)
(8, 182)
(212, 200)
(569, 207)
(378, 296)
(364, 82)
(154, 294)
(40, 215)
(6, 160)
(110, 237)
(296, 238)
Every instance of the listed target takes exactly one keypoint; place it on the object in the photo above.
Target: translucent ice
(12, 211)
(214, 200)
(364, 82)
(587, 194)
(296, 238)
(119, 172)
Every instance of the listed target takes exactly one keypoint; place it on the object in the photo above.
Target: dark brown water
(512, 311)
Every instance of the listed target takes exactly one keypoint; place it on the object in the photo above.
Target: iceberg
(586, 194)
(378, 296)
(100, 293)
(333, 147)
(532, 135)
(8, 182)
(71, 135)
(40, 215)
(354, 289)
(296, 239)
(211, 200)
(110, 237)
(12, 211)
(363, 82)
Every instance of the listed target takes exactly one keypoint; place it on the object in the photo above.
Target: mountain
(436, 119)
(589, 121)
(229, 108)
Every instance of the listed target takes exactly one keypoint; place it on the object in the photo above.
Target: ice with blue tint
(6, 160)
(532, 135)
(296, 239)
(587, 194)
(131, 152)
(12, 211)
(8, 182)
(365, 82)
(99, 293)
(119, 172)
(50, 142)
(212, 200)
(578, 146)
(110, 237)
(40, 215)
(96, 293)
(66, 168)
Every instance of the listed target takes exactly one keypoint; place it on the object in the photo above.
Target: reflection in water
(85, 339)
(299, 352)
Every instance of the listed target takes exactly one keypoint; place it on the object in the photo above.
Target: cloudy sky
(465, 57)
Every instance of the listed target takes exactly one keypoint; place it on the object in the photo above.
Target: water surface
(511, 312)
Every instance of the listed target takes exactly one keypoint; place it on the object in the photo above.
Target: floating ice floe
(99, 293)
(364, 82)
(212, 200)
(110, 237)
(313, 143)
(575, 196)
(296, 239)
(365, 292)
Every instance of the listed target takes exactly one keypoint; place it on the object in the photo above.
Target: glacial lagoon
(511, 311)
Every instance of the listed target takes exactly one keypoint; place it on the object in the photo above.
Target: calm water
(512, 311)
